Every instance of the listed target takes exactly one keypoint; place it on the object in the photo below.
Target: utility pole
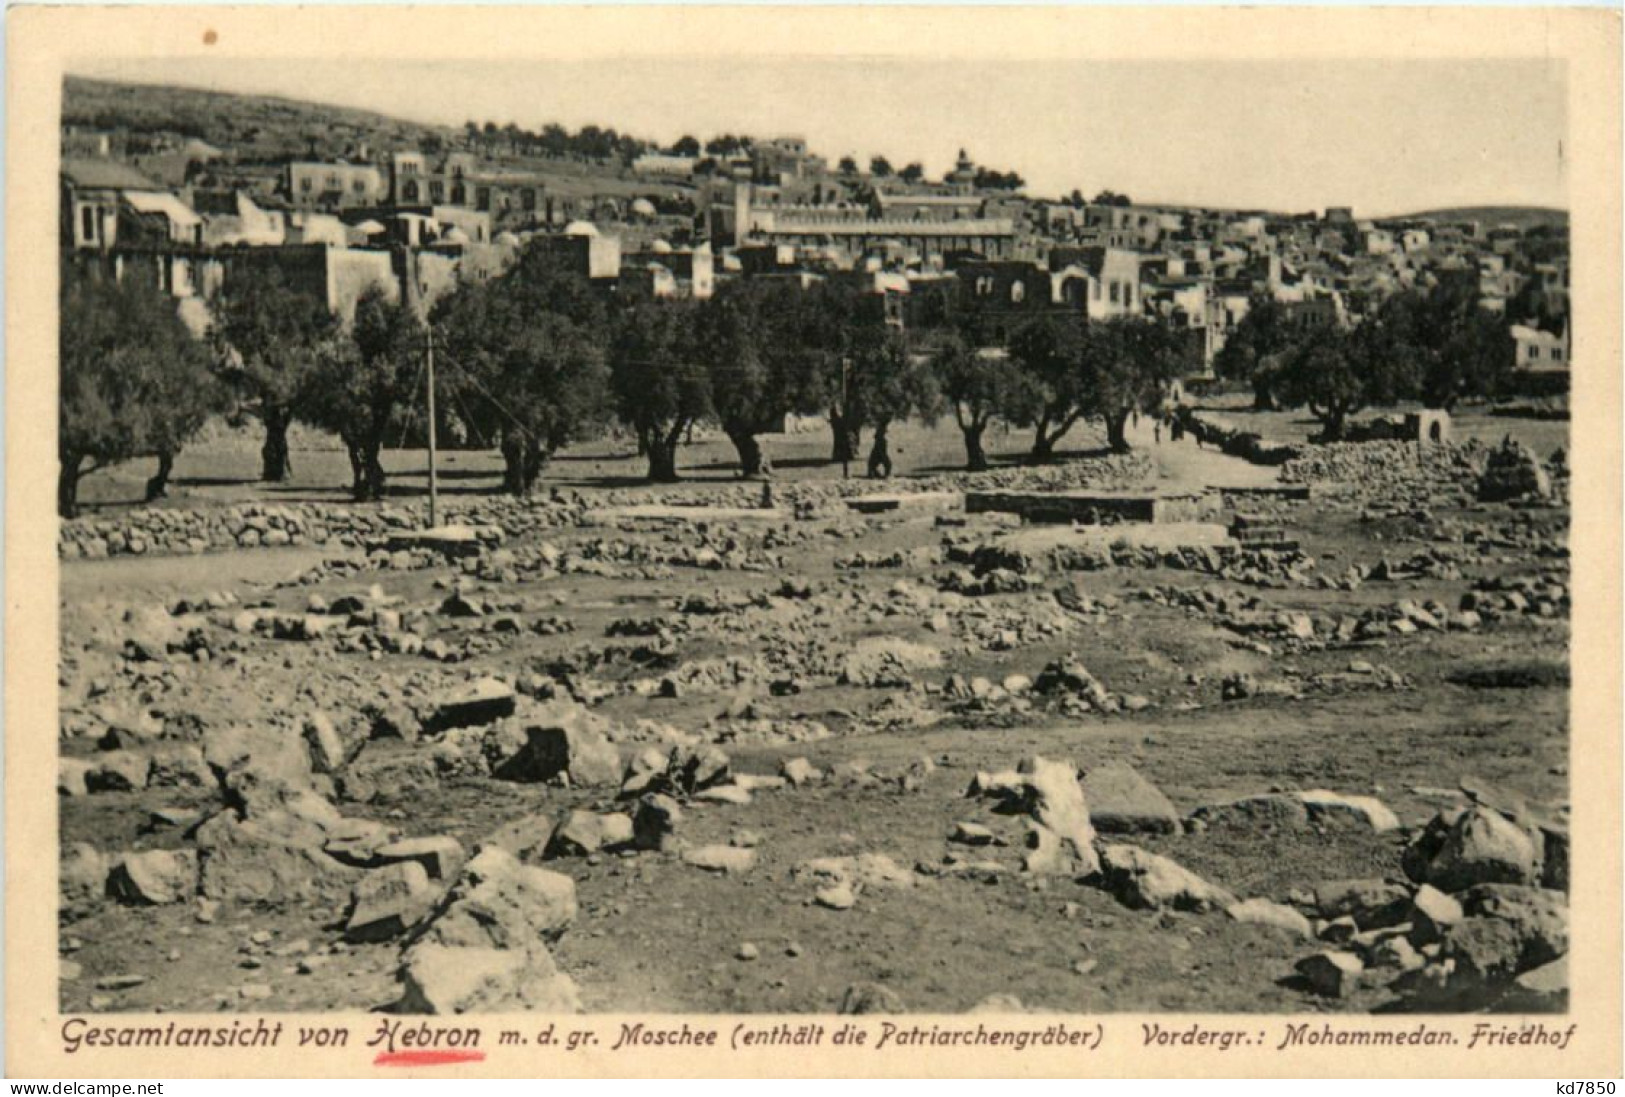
(434, 493)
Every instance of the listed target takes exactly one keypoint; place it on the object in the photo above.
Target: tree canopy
(132, 379)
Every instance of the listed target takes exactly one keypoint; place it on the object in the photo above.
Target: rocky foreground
(637, 753)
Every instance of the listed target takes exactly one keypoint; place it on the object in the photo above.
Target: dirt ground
(654, 933)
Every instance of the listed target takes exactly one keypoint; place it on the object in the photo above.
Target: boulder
(357, 841)
(154, 878)
(1047, 792)
(327, 753)
(179, 765)
(389, 901)
(1542, 990)
(1371, 903)
(71, 774)
(1121, 801)
(800, 772)
(1432, 914)
(441, 856)
(1539, 916)
(585, 832)
(525, 838)
(259, 862)
(655, 821)
(1484, 954)
(500, 903)
(82, 881)
(444, 980)
(1145, 880)
(556, 741)
(118, 771)
(1324, 805)
(870, 998)
(1479, 846)
(1331, 974)
(1263, 912)
(1265, 813)
(483, 702)
(388, 773)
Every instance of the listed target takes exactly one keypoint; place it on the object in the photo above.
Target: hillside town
(722, 576)
(679, 223)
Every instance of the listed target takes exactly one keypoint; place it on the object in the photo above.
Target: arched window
(409, 192)
(1018, 290)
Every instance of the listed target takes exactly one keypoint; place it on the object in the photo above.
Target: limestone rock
(389, 901)
(1371, 903)
(118, 771)
(441, 856)
(870, 998)
(526, 838)
(1262, 912)
(82, 881)
(732, 860)
(559, 741)
(655, 821)
(1121, 801)
(1479, 846)
(500, 903)
(327, 753)
(1145, 880)
(483, 702)
(438, 979)
(1323, 804)
(249, 861)
(583, 833)
(154, 878)
(1332, 974)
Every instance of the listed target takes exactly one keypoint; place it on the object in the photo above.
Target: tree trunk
(848, 437)
(662, 450)
(158, 486)
(513, 464)
(749, 449)
(274, 464)
(880, 454)
(1116, 432)
(67, 486)
(373, 473)
(1263, 398)
(975, 456)
(535, 459)
(358, 469)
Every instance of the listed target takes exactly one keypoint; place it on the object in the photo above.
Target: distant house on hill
(106, 203)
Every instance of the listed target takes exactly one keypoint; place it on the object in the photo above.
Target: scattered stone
(1331, 974)
(870, 998)
(836, 897)
(800, 772)
(732, 860)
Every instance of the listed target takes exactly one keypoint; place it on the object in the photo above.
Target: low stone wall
(178, 530)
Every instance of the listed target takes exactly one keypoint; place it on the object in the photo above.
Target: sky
(1386, 137)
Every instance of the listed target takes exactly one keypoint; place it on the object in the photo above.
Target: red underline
(426, 1058)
